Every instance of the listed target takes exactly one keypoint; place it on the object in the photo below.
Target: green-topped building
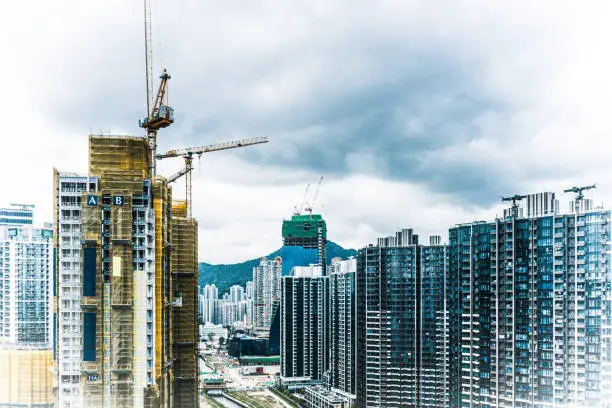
(307, 231)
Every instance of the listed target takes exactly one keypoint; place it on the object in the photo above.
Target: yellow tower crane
(188, 153)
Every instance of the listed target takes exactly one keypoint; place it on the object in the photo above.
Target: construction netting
(26, 378)
(179, 208)
(184, 269)
(162, 196)
(119, 158)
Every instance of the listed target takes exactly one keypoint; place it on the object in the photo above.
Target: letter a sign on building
(92, 200)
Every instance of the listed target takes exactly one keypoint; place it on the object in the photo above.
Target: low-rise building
(212, 332)
(321, 397)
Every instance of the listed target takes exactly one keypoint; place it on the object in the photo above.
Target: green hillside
(224, 276)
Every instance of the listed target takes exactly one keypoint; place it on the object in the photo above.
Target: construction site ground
(251, 390)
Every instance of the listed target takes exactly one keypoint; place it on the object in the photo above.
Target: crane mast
(189, 152)
(298, 210)
(314, 199)
(159, 113)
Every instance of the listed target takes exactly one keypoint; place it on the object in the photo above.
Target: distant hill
(224, 276)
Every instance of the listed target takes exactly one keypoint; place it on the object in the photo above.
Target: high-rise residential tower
(530, 308)
(126, 297)
(210, 299)
(26, 255)
(266, 291)
(304, 352)
(342, 319)
(26, 321)
(236, 293)
(401, 323)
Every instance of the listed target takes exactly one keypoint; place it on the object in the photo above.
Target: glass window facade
(529, 311)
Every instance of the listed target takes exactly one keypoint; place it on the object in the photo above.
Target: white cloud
(517, 93)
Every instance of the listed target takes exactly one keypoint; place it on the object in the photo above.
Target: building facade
(304, 351)
(401, 323)
(17, 214)
(319, 396)
(209, 303)
(26, 378)
(342, 320)
(266, 291)
(26, 269)
(530, 308)
(237, 294)
(125, 287)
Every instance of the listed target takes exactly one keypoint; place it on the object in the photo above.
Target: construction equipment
(298, 210)
(515, 199)
(188, 153)
(579, 191)
(314, 199)
(159, 115)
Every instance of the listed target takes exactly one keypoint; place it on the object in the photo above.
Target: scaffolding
(26, 377)
(139, 300)
(119, 160)
(184, 267)
(123, 166)
(162, 197)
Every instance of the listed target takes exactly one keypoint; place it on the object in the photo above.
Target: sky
(418, 114)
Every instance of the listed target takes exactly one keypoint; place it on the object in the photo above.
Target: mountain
(224, 276)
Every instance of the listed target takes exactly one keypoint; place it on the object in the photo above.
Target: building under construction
(26, 377)
(307, 231)
(125, 286)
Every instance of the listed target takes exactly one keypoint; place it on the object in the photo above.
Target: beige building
(26, 378)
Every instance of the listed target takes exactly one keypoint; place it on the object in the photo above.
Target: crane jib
(189, 151)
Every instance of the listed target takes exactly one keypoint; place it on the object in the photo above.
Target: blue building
(529, 301)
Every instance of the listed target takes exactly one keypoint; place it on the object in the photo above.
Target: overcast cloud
(419, 114)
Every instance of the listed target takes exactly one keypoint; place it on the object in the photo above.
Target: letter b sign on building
(117, 200)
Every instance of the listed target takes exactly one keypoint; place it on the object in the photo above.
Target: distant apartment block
(17, 214)
(530, 307)
(401, 339)
(266, 291)
(304, 352)
(26, 270)
(208, 303)
(342, 320)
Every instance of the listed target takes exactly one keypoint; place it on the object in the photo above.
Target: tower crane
(515, 198)
(159, 114)
(298, 210)
(579, 190)
(314, 199)
(189, 152)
